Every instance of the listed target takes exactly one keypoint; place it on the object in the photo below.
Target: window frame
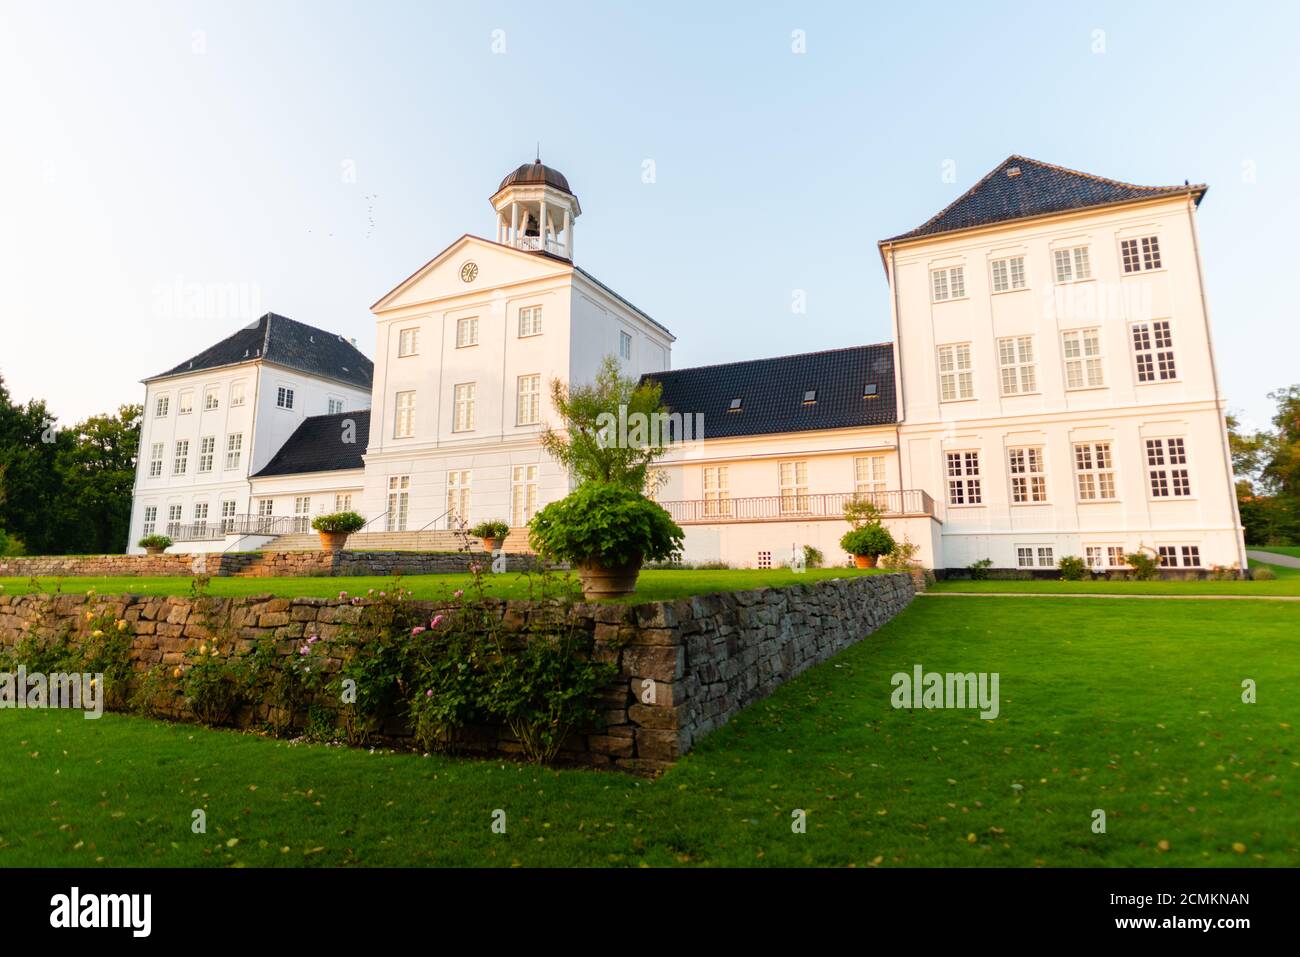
(535, 395)
(181, 407)
(957, 371)
(162, 406)
(180, 456)
(469, 402)
(1154, 351)
(404, 414)
(467, 322)
(1036, 550)
(235, 447)
(211, 398)
(1168, 466)
(1094, 471)
(625, 339)
(530, 485)
(408, 342)
(207, 453)
(1073, 258)
(797, 493)
(1143, 254)
(535, 325)
(1018, 366)
(1011, 286)
(284, 397)
(970, 481)
(1035, 484)
(157, 455)
(947, 272)
(1083, 358)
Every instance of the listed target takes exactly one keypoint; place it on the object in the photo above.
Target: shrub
(605, 524)
(9, 545)
(1263, 574)
(493, 529)
(902, 557)
(213, 683)
(870, 540)
(979, 570)
(1145, 565)
(861, 512)
(345, 522)
(1072, 568)
(155, 541)
(812, 557)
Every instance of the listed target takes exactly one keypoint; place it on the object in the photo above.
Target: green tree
(30, 509)
(1281, 466)
(613, 428)
(98, 470)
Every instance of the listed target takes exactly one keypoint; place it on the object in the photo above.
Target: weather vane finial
(539, 152)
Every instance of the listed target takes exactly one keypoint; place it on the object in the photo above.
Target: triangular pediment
(469, 264)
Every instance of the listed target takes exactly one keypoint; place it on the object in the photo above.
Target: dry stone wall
(686, 667)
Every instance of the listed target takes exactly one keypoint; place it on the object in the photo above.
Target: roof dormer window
(810, 397)
(735, 405)
(870, 390)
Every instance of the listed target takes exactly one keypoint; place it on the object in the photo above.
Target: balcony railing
(795, 507)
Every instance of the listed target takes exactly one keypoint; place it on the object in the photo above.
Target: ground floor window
(523, 495)
(399, 501)
(302, 513)
(794, 486)
(1101, 557)
(458, 498)
(150, 519)
(227, 516)
(717, 490)
(1035, 556)
(1179, 556)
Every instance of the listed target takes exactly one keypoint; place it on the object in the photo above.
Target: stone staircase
(429, 540)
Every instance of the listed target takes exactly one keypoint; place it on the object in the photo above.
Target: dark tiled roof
(290, 343)
(772, 392)
(536, 172)
(318, 445)
(1037, 190)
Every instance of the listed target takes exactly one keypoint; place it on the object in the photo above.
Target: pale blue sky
(151, 144)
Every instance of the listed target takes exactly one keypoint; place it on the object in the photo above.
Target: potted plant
(335, 528)
(493, 533)
(605, 530)
(154, 544)
(867, 544)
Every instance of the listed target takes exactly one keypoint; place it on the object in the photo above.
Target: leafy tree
(33, 488)
(1281, 468)
(98, 477)
(612, 431)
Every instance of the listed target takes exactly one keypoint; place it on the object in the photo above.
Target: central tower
(535, 210)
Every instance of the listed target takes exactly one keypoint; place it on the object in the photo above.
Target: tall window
(234, 449)
(207, 449)
(399, 501)
(1016, 359)
(1153, 348)
(466, 332)
(458, 497)
(228, 516)
(717, 490)
(185, 403)
(964, 487)
(236, 394)
(1028, 476)
(794, 486)
(869, 475)
(335, 406)
(464, 407)
(200, 515)
(523, 494)
(1008, 274)
(265, 508)
(1072, 264)
(302, 513)
(1082, 351)
(408, 342)
(181, 457)
(956, 378)
(529, 403)
(210, 400)
(155, 459)
(173, 521)
(150, 520)
(343, 502)
(1167, 468)
(284, 397)
(404, 423)
(624, 345)
(1094, 471)
(1140, 255)
(948, 283)
(530, 321)
(161, 407)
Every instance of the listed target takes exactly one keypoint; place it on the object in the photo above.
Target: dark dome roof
(536, 172)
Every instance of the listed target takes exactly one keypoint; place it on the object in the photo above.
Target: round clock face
(469, 272)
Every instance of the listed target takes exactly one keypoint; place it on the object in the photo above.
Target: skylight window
(735, 405)
(810, 397)
(870, 390)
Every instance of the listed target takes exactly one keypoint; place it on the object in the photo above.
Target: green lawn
(1129, 707)
(651, 586)
(1287, 584)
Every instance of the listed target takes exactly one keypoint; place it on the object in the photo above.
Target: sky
(171, 170)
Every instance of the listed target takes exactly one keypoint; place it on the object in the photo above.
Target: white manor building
(1050, 391)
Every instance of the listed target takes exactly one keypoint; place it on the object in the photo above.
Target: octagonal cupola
(535, 210)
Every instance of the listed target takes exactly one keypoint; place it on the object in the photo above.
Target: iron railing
(794, 506)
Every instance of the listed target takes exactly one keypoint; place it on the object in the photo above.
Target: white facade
(244, 413)
(1054, 375)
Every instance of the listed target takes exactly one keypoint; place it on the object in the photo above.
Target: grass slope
(1131, 707)
(1286, 584)
(653, 585)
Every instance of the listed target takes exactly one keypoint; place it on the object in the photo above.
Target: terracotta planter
(153, 550)
(333, 541)
(865, 561)
(492, 544)
(617, 582)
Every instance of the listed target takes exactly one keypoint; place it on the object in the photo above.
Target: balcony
(216, 529)
(819, 506)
